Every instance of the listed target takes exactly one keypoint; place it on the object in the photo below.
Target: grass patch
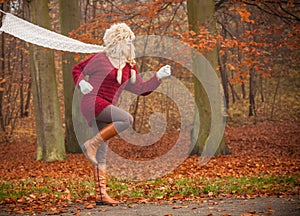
(45, 188)
(72, 189)
(161, 188)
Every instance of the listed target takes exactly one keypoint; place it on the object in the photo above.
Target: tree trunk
(199, 12)
(224, 78)
(69, 20)
(252, 110)
(50, 137)
(239, 53)
(2, 66)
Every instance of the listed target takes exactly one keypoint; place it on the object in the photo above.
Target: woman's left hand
(164, 72)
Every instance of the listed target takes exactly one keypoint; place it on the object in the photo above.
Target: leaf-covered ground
(264, 161)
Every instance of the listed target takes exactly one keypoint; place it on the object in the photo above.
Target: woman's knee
(128, 120)
(124, 123)
(130, 117)
(121, 119)
(122, 116)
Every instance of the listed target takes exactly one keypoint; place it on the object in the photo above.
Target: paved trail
(284, 206)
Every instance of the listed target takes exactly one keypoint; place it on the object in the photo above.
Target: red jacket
(106, 89)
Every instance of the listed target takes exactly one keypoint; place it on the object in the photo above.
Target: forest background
(257, 43)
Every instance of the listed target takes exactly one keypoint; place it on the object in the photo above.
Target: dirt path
(284, 206)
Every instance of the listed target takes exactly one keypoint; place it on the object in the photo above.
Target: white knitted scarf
(43, 37)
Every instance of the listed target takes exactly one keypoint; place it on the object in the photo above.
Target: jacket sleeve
(78, 71)
(143, 88)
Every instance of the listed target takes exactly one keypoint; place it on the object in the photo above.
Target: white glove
(164, 72)
(85, 87)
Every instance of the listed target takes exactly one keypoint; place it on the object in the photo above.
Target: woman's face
(128, 49)
(128, 41)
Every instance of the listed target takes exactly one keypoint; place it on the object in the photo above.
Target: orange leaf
(90, 206)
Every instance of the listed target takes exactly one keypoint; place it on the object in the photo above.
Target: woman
(110, 73)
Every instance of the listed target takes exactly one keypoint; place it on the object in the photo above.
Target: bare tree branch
(266, 7)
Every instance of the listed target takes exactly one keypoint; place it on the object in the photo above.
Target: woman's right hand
(85, 87)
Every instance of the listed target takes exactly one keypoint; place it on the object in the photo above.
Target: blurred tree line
(256, 46)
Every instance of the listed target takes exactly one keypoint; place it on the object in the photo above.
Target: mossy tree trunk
(69, 20)
(50, 136)
(201, 12)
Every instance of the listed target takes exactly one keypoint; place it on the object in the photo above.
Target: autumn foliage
(257, 44)
(258, 47)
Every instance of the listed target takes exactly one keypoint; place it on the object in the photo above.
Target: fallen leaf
(90, 206)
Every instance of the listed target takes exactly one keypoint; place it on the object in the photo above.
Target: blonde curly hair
(118, 44)
(115, 41)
